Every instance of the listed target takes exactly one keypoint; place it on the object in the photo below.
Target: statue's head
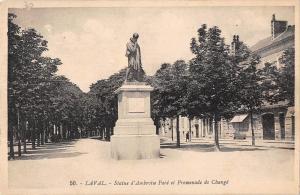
(135, 36)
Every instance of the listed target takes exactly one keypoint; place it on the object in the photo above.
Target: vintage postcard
(149, 97)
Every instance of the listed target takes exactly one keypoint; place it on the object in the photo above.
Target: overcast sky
(91, 41)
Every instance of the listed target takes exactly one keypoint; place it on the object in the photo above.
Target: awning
(239, 118)
(290, 112)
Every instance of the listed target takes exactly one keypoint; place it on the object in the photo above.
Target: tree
(287, 77)
(169, 100)
(25, 73)
(13, 40)
(158, 99)
(251, 91)
(248, 82)
(104, 92)
(67, 107)
(279, 83)
(37, 98)
(212, 91)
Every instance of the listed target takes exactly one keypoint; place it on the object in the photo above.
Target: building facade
(273, 122)
(277, 121)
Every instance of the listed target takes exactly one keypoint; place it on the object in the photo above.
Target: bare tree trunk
(252, 129)
(217, 145)
(18, 133)
(38, 133)
(43, 132)
(172, 129)
(64, 134)
(101, 132)
(108, 132)
(190, 130)
(112, 130)
(24, 129)
(60, 130)
(38, 137)
(19, 143)
(50, 132)
(46, 132)
(33, 135)
(43, 136)
(177, 131)
(70, 130)
(11, 142)
(66, 130)
(157, 124)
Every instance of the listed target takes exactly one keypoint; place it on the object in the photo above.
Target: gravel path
(242, 168)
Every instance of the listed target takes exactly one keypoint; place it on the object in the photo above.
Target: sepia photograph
(153, 98)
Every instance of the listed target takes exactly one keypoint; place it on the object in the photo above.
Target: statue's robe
(133, 52)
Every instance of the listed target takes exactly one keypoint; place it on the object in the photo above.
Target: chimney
(277, 27)
(235, 44)
(273, 17)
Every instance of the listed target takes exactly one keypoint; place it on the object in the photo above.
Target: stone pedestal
(134, 134)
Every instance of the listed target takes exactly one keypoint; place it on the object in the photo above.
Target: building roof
(289, 32)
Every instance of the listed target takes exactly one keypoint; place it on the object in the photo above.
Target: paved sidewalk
(258, 143)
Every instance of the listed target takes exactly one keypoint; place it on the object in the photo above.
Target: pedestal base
(131, 147)
(134, 134)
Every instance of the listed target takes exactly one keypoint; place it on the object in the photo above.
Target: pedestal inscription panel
(136, 105)
(134, 134)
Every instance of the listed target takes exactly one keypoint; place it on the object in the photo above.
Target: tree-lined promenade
(216, 83)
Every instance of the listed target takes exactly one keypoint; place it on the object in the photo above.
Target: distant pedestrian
(187, 136)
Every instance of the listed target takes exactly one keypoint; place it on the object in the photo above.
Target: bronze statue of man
(133, 52)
